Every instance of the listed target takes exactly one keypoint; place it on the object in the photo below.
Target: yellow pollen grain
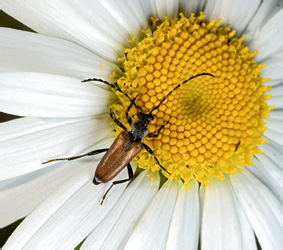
(207, 117)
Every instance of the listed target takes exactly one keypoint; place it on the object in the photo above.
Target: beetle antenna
(178, 86)
(114, 86)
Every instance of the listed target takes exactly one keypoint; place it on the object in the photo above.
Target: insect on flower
(128, 143)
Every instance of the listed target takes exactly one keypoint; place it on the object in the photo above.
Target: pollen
(215, 124)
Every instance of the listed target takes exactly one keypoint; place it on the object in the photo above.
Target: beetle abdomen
(117, 157)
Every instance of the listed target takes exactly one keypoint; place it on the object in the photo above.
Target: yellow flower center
(214, 124)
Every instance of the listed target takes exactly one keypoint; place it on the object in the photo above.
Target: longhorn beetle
(128, 143)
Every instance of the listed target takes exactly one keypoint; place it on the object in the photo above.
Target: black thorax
(139, 129)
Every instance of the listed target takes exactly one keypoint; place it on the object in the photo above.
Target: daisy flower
(220, 144)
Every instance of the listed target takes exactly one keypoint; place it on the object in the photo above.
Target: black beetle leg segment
(129, 119)
(130, 174)
(116, 121)
(152, 135)
(149, 150)
(94, 152)
(237, 145)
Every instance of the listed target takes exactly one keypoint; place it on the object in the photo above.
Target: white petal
(273, 169)
(184, 228)
(276, 114)
(129, 14)
(269, 38)
(46, 95)
(192, 6)
(29, 125)
(24, 153)
(220, 223)
(273, 151)
(274, 135)
(103, 27)
(248, 236)
(64, 220)
(201, 202)
(236, 13)
(277, 90)
(21, 195)
(152, 230)
(167, 8)
(149, 8)
(273, 124)
(276, 101)
(83, 211)
(116, 228)
(262, 209)
(34, 222)
(270, 174)
(264, 12)
(88, 24)
(27, 51)
(273, 70)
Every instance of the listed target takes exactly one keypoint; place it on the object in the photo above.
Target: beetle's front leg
(116, 121)
(129, 119)
(153, 135)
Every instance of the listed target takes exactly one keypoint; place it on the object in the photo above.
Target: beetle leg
(116, 121)
(149, 150)
(152, 135)
(94, 152)
(237, 145)
(130, 173)
(129, 119)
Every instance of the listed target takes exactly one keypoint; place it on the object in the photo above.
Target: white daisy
(40, 79)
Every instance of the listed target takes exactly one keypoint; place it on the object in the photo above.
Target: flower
(41, 78)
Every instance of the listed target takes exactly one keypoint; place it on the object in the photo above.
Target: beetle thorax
(138, 130)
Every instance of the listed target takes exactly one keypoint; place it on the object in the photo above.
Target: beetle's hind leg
(94, 152)
(130, 174)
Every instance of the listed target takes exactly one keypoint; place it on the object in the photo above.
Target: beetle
(128, 143)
